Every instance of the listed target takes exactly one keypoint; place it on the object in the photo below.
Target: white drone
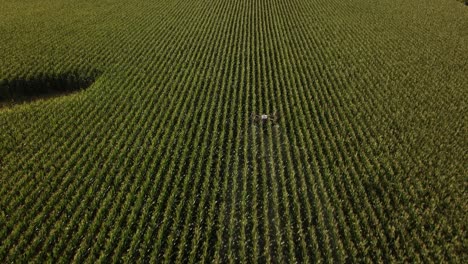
(263, 118)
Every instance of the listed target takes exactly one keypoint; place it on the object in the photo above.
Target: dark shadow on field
(26, 89)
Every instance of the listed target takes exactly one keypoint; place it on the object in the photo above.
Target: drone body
(263, 118)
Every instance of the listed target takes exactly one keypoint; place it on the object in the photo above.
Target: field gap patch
(19, 90)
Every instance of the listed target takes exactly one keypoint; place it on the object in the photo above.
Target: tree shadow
(21, 90)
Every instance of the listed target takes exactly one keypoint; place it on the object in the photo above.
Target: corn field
(244, 131)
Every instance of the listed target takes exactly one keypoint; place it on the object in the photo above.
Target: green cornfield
(156, 151)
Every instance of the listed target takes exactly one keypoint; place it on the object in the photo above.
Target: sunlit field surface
(132, 131)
